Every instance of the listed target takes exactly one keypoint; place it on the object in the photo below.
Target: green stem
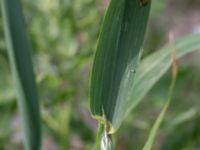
(103, 142)
(156, 126)
(100, 133)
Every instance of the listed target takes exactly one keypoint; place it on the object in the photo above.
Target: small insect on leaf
(144, 2)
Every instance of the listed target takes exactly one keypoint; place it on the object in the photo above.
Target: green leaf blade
(152, 68)
(117, 56)
(156, 65)
(22, 69)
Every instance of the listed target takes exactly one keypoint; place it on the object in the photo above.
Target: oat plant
(117, 55)
(117, 84)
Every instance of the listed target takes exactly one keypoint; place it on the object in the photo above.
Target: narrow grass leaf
(117, 55)
(182, 118)
(153, 68)
(155, 128)
(152, 136)
(21, 66)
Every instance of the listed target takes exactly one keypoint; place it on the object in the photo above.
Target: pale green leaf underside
(152, 69)
(21, 67)
(117, 56)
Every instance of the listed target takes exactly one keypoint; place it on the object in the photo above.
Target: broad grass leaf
(117, 55)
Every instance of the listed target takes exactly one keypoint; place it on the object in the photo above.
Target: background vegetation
(63, 35)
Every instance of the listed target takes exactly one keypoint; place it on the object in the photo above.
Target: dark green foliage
(63, 36)
(20, 61)
(116, 59)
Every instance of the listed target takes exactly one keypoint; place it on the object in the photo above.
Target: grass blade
(21, 66)
(156, 126)
(116, 58)
(154, 67)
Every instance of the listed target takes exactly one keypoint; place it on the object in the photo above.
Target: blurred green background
(63, 34)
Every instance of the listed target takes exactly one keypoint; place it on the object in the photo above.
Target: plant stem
(99, 137)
